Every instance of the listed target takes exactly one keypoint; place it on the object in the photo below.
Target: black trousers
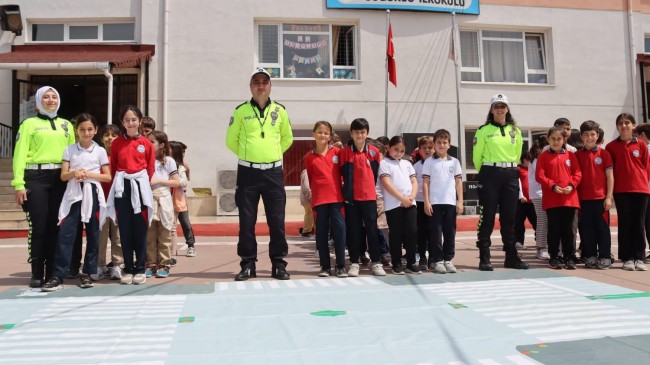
(560, 231)
(188, 233)
(77, 248)
(423, 232)
(442, 224)
(330, 217)
(44, 194)
(402, 230)
(524, 211)
(593, 224)
(360, 217)
(269, 184)
(631, 208)
(133, 231)
(647, 222)
(498, 189)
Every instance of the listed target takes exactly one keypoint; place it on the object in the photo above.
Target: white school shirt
(164, 172)
(91, 159)
(442, 175)
(419, 197)
(534, 188)
(163, 205)
(400, 173)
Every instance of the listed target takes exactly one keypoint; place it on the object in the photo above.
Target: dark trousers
(595, 237)
(330, 217)
(188, 233)
(423, 232)
(133, 231)
(360, 215)
(498, 189)
(560, 231)
(524, 211)
(269, 184)
(631, 208)
(647, 222)
(44, 194)
(402, 230)
(442, 224)
(67, 237)
(75, 256)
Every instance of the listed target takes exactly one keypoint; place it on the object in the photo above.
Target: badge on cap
(140, 148)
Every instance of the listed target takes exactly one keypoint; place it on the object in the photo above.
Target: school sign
(440, 6)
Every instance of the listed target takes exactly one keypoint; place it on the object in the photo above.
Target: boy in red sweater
(558, 172)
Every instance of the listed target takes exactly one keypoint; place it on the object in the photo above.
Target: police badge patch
(474, 141)
(512, 136)
(274, 116)
(232, 120)
(64, 126)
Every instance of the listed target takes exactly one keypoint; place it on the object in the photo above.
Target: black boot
(38, 271)
(280, 272)
(513, 261)
(246, 273)
(484, 259)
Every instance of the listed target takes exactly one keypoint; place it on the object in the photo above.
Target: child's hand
(80, 174)
(407, 203)
(428, 209)
(568, 189)
(608, 203)
(558, 190)
(523, 200)
(154, 180)
(459, 208)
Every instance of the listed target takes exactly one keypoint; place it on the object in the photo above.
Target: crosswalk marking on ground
(296, 284)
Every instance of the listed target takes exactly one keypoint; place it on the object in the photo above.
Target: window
(503, 56)
(73, 32)
(646, 44)
(307, 51)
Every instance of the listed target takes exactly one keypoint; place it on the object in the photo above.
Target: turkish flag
(390, 54)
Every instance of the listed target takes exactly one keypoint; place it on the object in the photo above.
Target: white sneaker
(440, 268)
(354, 270)
(449, 266)
(520, 246)
(640, 266)
(377, 269)
(99, 275)
(139, 279)
(116, 273)
(127, 279)
(542, 254)
(629, 265)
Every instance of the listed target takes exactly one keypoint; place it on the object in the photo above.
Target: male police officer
(259, 133)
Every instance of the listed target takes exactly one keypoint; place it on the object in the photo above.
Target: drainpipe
(630, 32)
(165, 63)
(109, 109)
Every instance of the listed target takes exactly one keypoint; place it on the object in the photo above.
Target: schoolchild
(399, 187)
(359, 164)
(596, 198)
(525, 208)
(443, 200)
(425, 150)
(535, 193)
(109, 229)
(643, 132)
(180, 198)
(558, 172)
(307, 230)
(159, 236)
(631, 170)
(147, 125)
(324, 174)
(130, 201)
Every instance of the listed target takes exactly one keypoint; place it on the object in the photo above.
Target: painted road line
(96, 335)
(19, 329)
(537, 310)
(570, 313)
(121, 299)
(558, 287)
(94, 348)
(257, 285)
(488, 362)
(305, 283)
(514, 296)
(521, 360)
(240, 285)
(65, 359)
(324, 283)
(595, 334)
(273, 284)
(87, 341)
(222, 286)
(590, 326)
(290, 284)
(540, 305)
(547, 323)
(354, 281)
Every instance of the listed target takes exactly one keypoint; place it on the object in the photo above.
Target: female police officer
(497, 148)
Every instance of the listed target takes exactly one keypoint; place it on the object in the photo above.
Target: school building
(187, 64)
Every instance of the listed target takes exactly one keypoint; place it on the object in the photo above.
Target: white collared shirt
(90, 159)
(442, 175)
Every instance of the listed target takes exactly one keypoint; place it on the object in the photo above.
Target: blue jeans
(442, 224)
(68, 235)
(326, 215)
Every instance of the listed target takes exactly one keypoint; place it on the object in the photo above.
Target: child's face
(625, 128)
(567, 131)
(589, 139)
(441, 146)
(556, 140)
(359, 136)
(147, 131)
(86, 131)
(322, 135)
(131, 123)
(154, 142)
(426, 150)
(397, 151)
(108, 138)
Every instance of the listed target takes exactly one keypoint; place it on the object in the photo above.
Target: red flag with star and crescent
(390, 54)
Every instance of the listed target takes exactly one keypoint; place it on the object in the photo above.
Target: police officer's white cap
(499, 98)
(260, 70)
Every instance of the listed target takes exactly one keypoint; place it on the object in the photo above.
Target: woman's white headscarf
(39, 101)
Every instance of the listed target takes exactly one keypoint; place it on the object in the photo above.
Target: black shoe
(73, 273)
(341, 273)
(423, 264)
(484, 263)
(569, 264)
(85, 281)
(554, 263)
(413, 269)
(245, 274)
(173, 262)
(513, 261)
(385, 260)
(54, 284)
(398, 270)
(35, 283)
(325, 272)
(280, 273)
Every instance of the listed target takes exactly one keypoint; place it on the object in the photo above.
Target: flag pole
(453, 45)
(386, 85)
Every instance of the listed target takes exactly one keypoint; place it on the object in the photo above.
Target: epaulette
(486, 123)
(283, 107)
(23, 121)
(240, 105)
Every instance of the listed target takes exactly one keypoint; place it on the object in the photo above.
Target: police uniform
(497, 149)
(37, 160)
(259, 136)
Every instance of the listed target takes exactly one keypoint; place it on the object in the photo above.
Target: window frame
(68, 24)
(540, 34)
(280, 64)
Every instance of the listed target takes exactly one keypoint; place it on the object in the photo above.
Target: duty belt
(261, 166)
(43, 166)
(503, 165)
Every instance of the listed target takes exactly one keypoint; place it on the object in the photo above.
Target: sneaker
(104, 270)
(569, 263)
(127, 279)
(385, 260)
(55, 283)
(398, 270)
(377, 269)
(592, 262)
(519, 246)
(86, 281)
(365, 259)
(354, 270)
(116, 273)
(162, 272)
(439, 268)
(73, 273)
(139, 279)
(173, 262)
(340, 272)
(647, 259)
(96, 277)
(554, 264)
(422, 264)
(542, 254)
(150, 271)
(325, 272)
(640, 266)
(629, 265)
(604, 264)
(413, 269)
(449, 266)
(191, 251)
(308, 235)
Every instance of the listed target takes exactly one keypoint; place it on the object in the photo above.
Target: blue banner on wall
(441, 6)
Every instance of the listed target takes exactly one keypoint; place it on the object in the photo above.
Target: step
(13, 224)
(4, 162)
(6, 189)
(12, 214)
(8, 205)
(6, 175)
(7, 197)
